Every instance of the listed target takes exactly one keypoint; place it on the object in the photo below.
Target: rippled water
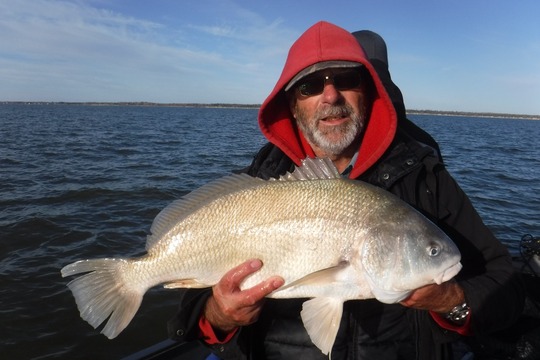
(86, 181)
(497, 163)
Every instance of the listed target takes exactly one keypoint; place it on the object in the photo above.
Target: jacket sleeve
(492, 286)
(184, 326)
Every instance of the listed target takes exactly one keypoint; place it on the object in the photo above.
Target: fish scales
(309, 224)
(331, 239)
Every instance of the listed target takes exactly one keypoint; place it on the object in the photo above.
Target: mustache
(334, 111)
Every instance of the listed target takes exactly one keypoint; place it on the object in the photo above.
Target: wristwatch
(459, 313)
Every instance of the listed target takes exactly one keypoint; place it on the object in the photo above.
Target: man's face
(331, 116)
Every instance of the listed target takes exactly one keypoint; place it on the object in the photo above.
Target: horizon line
(256, 106)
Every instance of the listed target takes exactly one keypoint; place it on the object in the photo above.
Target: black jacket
(369, 329)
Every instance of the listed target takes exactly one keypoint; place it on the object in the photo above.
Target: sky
(453, 55)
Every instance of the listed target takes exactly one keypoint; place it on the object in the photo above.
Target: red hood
(324, 42)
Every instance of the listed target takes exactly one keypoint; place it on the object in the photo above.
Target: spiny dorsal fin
(313, 169)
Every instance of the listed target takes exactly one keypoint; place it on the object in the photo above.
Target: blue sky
(466, 55)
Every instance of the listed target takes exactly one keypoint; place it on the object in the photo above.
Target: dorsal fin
(179, 209)
(313, 169)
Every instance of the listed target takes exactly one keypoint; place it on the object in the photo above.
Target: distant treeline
(135, 103)
(256, 106)
(473, 114)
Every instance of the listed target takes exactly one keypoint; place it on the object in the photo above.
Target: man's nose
(330, 94)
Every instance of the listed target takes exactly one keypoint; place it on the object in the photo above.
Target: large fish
(331, 239)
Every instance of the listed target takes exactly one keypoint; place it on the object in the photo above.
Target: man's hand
(438, 298)
(230, 307)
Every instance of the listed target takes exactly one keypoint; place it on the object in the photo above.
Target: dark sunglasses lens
(312, 86)
(347, 81)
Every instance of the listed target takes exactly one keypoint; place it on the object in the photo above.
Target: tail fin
(103, 292)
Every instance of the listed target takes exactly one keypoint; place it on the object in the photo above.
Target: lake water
(82, 182)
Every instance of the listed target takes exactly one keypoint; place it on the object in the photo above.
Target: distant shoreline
(256, 106)
(473, 114)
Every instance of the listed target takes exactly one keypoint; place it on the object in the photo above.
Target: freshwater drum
(330, 238)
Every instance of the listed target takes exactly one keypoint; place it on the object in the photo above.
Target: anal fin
(186, 284)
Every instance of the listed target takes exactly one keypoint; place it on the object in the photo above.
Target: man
(330, 102)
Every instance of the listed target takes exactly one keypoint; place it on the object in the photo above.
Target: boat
(520, 341)
(172, 350)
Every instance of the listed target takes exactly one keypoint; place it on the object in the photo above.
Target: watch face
(459, 313)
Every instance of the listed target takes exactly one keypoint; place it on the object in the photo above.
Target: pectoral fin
(321, 317)
(321, 277)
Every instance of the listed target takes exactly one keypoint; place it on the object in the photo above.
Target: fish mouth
(449, 273)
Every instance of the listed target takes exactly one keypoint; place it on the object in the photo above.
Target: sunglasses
(314, 85)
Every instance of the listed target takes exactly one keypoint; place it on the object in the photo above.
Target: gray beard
(348, 132)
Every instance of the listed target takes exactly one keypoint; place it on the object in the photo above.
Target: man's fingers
(259, 291)
(229, 306)
(231, 281)
(234, 277)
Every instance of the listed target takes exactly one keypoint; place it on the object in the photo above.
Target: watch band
(459, 313)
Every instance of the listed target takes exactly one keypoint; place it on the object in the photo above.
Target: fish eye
(434, 250)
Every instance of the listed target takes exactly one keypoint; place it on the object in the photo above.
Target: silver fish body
(331, 239)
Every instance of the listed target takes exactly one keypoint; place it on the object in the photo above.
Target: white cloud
(74, 52)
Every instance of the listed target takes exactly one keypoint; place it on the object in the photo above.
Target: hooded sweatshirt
(327, 42)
